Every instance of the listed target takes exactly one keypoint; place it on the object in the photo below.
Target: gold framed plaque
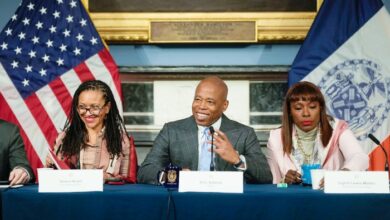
(202, 21)
(202, 31)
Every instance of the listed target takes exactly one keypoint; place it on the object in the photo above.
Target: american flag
(46, 50)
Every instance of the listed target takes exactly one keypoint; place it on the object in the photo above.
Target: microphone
(377, 142)
(212, 148)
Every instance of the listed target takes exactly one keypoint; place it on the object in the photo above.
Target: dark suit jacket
(12, 153)
(177, 143)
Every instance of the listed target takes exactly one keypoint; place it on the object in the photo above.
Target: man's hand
(224, 148)
(18, 176)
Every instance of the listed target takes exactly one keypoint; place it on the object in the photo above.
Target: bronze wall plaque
(202, 31)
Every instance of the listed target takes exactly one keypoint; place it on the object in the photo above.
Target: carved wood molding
(271, 26)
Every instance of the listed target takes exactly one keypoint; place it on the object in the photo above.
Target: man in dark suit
(179, 142)
(14, 165)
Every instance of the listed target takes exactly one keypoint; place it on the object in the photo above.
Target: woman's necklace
(308, 139)
(306, 155)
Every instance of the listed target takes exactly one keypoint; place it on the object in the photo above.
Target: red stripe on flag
(62, 94)
(132, 173)
(58, 163)
(42, 118)
(377, 156)
(110, 64)
(83, 72)
(7, 114)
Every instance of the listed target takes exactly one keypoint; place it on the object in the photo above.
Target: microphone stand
(386, 161)
(212, 166)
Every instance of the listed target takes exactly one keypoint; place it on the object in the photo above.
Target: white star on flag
(8, 32)
(18, 50)
(32, 54)
(80, 37)
(42, 72)
(60, 62)
(93, 41)
(35, 40)
(77, 51)
(46, 58)
(26, 21)
(83, 22)
(63, 47)
(39, 25)
(28, 68)
(49, 43)
(69, 19)
(53, 29)
(73, 4)
(30, 6)
(43, 10)
(14, 64)
(56, 14)
(66, 33)
(26, 82)
(4, 46)
(22, 35)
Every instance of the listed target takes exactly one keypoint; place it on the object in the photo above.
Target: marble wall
(266, 99)
(258, 103)
(138, 103)
(265, 103)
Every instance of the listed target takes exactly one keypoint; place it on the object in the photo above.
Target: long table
(115, 202)
(156, 202)
(269, 202)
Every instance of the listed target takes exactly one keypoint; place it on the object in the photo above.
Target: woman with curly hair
(94, 136)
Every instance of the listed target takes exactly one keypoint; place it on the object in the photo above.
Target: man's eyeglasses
(93, 109)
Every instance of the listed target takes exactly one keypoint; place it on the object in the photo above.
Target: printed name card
(70, 180)
(356, 182)
(211, 181)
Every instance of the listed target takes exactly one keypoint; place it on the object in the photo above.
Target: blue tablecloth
(270, 202)
(115, 202)
(155, 202)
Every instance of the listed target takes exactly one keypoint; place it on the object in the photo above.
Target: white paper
(70, 180)
(356, 182)
(211, 181)
(8, 186)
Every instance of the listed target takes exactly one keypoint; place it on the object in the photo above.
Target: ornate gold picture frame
(137, 27)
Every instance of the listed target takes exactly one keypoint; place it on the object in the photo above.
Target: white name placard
(356, 182)
(211, 181)
(70, 180)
